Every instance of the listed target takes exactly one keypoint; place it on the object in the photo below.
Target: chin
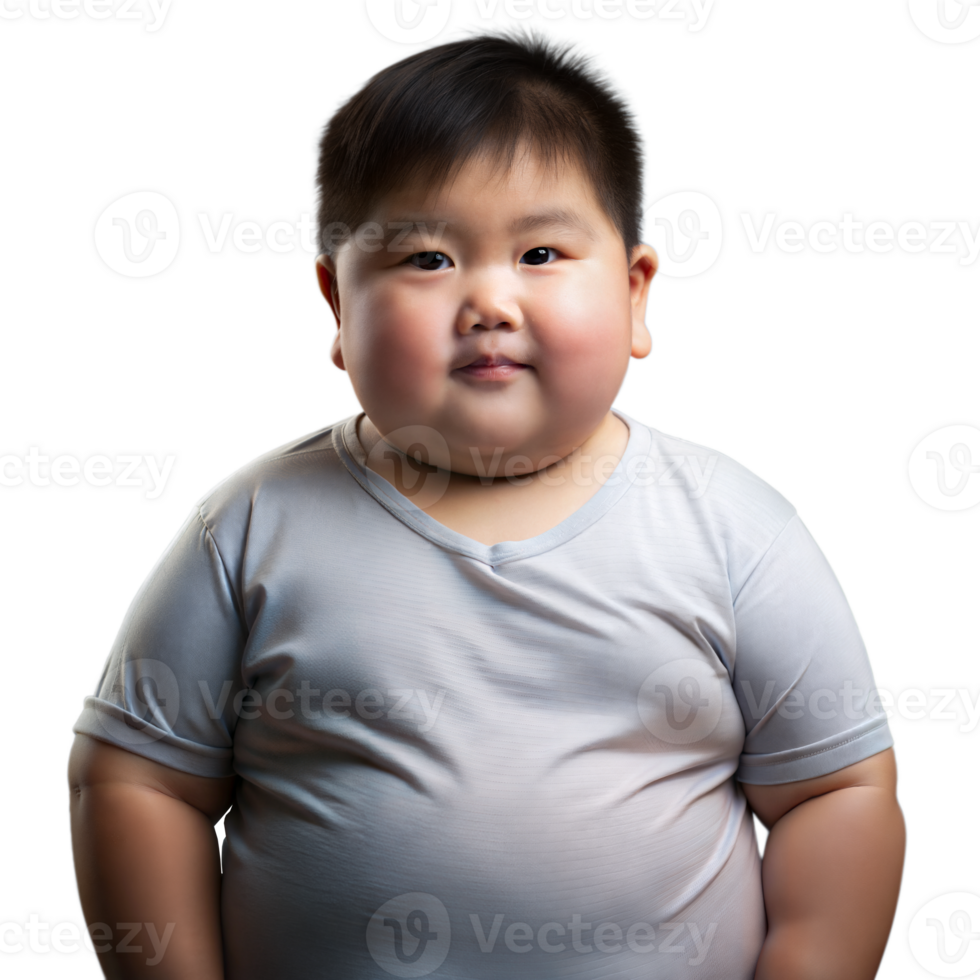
(489, 433)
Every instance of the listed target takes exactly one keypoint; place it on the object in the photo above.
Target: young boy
(488, 673)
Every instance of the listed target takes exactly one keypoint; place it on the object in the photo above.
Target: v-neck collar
(352, 454)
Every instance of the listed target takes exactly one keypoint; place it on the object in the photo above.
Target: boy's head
(480, 89)
(479, 224)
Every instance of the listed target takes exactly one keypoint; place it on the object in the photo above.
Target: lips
(494, 367)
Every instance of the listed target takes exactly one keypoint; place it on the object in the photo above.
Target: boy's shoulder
(302, 466)
(700, 484)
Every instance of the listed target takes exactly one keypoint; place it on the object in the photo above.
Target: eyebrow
(551, 217)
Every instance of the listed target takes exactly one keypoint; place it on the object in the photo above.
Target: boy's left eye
(539, 256)
(429, 261)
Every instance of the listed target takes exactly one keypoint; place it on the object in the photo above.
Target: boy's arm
(831, 871)
(146, 855)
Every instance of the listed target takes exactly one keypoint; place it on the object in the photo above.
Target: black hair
(421, 119)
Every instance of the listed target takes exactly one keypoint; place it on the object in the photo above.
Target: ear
(643, 267)
(326, 274)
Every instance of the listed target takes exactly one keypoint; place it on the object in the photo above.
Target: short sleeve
(802, 676)
(169, 687)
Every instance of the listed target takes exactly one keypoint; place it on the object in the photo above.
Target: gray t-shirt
(467, 761)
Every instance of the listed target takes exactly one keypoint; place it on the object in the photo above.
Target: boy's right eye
(430, 261)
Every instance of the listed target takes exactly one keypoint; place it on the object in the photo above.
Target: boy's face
(504, 320)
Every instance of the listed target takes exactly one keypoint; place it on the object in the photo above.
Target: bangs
(530, 121)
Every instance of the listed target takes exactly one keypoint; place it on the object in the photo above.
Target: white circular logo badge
(147, 689)
(947, 21)
(409, 21)
(685, 230)
(681, 702)
(409, 936)
(138, 234)
(944, 935)
(944, 469)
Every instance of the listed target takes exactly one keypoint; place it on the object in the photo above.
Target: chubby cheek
(397, 346)
(584, 338)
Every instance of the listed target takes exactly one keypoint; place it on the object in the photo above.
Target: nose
(489, 303)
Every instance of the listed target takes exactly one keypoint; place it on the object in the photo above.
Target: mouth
(492, 368)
